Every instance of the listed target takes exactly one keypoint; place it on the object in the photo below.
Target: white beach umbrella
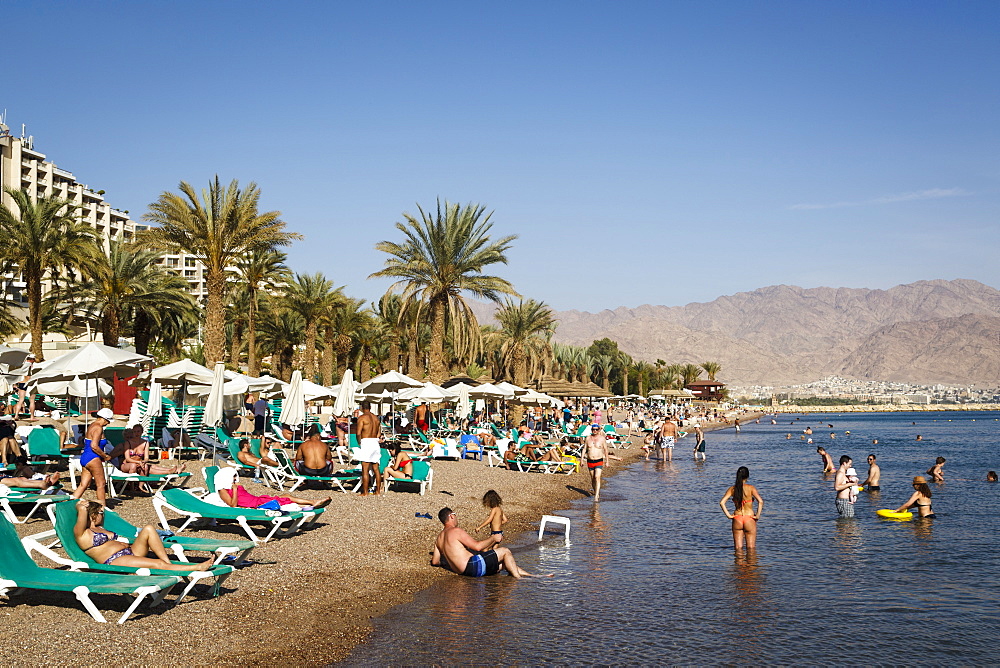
(76, 387)
(511, 387)
(92, 360)
(428, 392)
(393, 381)
(12, 360)
(345, 403)
(5, 387)
(178, 373)
(229, 388)
(316, 392)
(213, 406)
(463, 408)
(293, 408)
(489, 391)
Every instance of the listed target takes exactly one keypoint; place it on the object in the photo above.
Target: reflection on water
(652, 565)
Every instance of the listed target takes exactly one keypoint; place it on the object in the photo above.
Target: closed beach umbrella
(213, 406)
(345, 397)
(154, 406)
(293, 408)
(463, 408)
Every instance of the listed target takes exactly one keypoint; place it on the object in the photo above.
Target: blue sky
(661, 152)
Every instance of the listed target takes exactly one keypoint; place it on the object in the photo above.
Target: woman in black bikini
(106, 547)
(921, 498)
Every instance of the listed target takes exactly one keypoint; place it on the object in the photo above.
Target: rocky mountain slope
(928, 331)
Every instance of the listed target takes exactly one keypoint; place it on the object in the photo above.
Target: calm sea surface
(650, 575)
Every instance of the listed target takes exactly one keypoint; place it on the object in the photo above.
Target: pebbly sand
(310, 598)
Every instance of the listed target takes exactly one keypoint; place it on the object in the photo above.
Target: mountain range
(935, 331)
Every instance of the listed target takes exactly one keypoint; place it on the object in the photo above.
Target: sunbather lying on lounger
(24, 476)
(107, 547)
(235, 495)
(246, 455)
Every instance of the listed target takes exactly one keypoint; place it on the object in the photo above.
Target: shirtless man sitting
(313, 455)
(457, 551)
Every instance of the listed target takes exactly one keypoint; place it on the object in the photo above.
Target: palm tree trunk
(518, 362)
(413, 358)
(308, 363)
(394, 356)
(625, 380)
(34, 281)
(215, 317)
(605, 378)
(141, 331)
(438, 372)
(329, 357)
(110, 326)
(235, 345)
(253, 364)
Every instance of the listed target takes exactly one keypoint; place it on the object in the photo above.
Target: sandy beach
(309, 599)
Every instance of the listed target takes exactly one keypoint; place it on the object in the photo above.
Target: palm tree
(341, 323)
(712, 369)
(441, 257)
(690, 373)
(642, 371)
(218, 227)
(389, 311)
(311, 296)
(43, 237)
(604, 364)
(260, 269)
(280, 334)
(522, 329)
(624, 361)
(122, 281)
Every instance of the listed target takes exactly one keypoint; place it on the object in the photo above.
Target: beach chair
(19, 571)
(445, 448)
(286, 469)
(183, 503)
(423, 475)
(11, 498)
(235, 550)
(63, 520)
(471, 446)
(115, 476)
(45, 447)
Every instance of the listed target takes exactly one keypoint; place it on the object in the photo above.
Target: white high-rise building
(23, 167)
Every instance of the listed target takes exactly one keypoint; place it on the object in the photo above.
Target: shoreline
(885, 408)
(311, 597)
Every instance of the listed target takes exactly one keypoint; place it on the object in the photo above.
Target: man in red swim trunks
(595, 449)
(420, 416)
(457, 551)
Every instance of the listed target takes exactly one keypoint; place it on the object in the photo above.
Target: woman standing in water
(921, 498)
(744, 519)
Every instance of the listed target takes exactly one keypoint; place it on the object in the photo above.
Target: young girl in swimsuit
(496, 519)
(744, 519)
(921, 498)
(106, 547)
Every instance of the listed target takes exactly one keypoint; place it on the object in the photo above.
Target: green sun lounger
(349, 477)
(19, 571)
(179, 545)
(182, 502)
(423, 475)
(63, 519)
(39, 501)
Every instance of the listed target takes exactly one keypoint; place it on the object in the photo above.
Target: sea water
(650, 575)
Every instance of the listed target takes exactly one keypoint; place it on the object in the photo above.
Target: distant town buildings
(836, 389)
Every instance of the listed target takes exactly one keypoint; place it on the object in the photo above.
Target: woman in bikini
(744, 519)
(401, 465)
(921, 498)
(106, 547)
(135, 459)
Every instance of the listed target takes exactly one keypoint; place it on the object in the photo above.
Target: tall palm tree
(624, 361)
(441, 257)
(260, 269)
(522, 328)
(642, 371)
(690, 373)
(389, 311)
(124, 280)
(604, 364)
(341, 323)
(43, 237)
(280, 334)
(712, 369)
(218, 227)
(311, 296)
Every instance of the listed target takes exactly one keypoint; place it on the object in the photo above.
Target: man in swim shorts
(371, 450)
(595, 449)
(845, 507)
(313, 455)
(668, 434)
(874, 474)
(457, 551)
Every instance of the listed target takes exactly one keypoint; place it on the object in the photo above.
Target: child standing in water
(496, 519)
